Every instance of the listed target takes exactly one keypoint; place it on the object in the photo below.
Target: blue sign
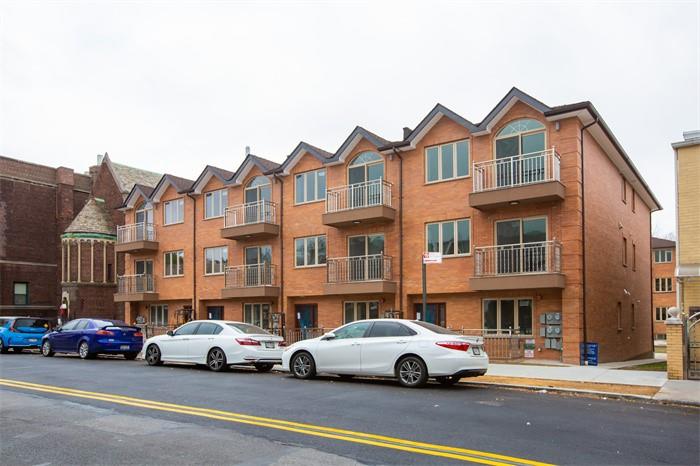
(589, 354)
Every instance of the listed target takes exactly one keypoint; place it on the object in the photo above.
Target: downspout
(194, 256)
(400, 231)
(281, 223)
(583, 227)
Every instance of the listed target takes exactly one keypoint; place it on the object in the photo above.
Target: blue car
(90, 337)
(20, 333)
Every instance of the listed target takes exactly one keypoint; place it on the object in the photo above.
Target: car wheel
(303, 366)
(46, 349)
(264, 367)
(448, 380)
(153, 355)
(84, 351)
(130, 356)
(412, 372)
(3, 348)
(216, 360)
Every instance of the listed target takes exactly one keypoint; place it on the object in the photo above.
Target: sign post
(428, 258)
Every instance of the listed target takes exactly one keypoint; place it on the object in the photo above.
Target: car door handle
(355, 344)
(401, 342)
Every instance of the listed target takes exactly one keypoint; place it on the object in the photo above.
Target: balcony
(521, 179)
(135, 288)
(252, 220)
(359, 275)
(361, 203)
(139, 237)
(518, 267)
(251, 281)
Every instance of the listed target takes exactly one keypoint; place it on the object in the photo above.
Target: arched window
(258, 189)
(366, 166)
(519, 137)
(144, 213)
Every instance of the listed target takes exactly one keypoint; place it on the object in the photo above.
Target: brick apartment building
(663, 271)
(542, 220)
(45, 211)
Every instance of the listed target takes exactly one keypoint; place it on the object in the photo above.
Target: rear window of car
(249, 329)
(110, 323)
(208, 328)
(31, 324)
(435, 328)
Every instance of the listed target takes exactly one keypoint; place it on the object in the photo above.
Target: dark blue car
(90, 337)
(19, 333)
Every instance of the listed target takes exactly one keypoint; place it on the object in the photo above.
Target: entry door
(305, 315)
(522, 247)
(365, 261)
(215, 312)
(255, 211)
(144, 216)
(363, 195)
(258, 260)
(143, 284)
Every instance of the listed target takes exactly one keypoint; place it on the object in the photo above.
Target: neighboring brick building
(663, 269)
(542, 219)
(37, 205)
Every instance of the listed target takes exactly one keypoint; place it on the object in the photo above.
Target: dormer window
(258, 189)
(520, 137)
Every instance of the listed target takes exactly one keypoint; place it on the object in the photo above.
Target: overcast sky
(173, 86)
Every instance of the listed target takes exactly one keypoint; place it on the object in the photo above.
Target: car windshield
(31, 325)
(247, 328)
(110, 323)
(435, 328)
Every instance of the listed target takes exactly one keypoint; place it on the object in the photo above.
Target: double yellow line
(382, 441)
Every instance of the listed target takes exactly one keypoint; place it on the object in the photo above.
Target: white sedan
(218, 344)
(409, 350)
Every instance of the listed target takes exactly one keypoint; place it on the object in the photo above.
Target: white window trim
(454, 222)
(165, 204)
(165, 275)
(656, 313)
(454, 161)
(516, 318)
(315, 186)
(520, 134)
(354, 303)
(160, 308)
(316, 265)
(666, 281)
(223, 207)
(261, 304)
(664, 251)
(223, 271)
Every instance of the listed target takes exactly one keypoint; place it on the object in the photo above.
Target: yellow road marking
(302, 428)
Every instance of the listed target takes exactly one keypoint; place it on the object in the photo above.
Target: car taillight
(455, 345)
(282, 343)
(247, 342)
(105, 332)
(138, 335)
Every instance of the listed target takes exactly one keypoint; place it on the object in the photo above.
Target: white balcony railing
(356, 196)
(253, 212)
(135, 232)
(517, 259)
(244, 276)
(358, 268)
(520, 170)
(141, 283)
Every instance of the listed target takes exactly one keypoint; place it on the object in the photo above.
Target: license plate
(124, 347)
(32, 340)
(269, 344)
(476, 351)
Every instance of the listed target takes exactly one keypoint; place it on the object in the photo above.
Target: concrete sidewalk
(594, 374)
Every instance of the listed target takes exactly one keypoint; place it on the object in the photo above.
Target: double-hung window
(310, 251)
(451, 238)
(158, 315)
(447, 161)
(21, 293)
(174, 262)
(215, 260)
(663, 284)
(310, 186)
(663, 255)
(215, 203)
(661, 314)
(174, 211)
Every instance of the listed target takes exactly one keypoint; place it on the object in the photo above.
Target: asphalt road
(52, 426)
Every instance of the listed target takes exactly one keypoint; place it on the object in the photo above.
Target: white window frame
(665, 254)
(454, 223)
(354, 305)
(663, 285)
(161, 313)
(180, 203)
(253, 312)
(304, 239)
(223, 203)
(176, 254)
(516, 316)
(317, 196)
(440, 179)
(663, 310)
(223, 259)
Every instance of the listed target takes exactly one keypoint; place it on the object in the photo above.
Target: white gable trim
(494, 121)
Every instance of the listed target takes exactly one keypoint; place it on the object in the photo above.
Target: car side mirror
(170, 333)
(328, 336)
(57, 329)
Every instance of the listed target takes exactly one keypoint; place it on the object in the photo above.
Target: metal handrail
(244, 276)
(518, 170)
(250, 213)
(373, 267)
(139, 283)
(356, 196)
(518, 259)
(136, 232)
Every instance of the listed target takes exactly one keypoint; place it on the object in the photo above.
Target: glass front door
(521, 245)
(365, 261)
(366, 167)
(258, 271)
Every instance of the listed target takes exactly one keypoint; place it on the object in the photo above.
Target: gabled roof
(126, 177)
(206, 175)
(264, 165)
(130, 201)
(506, 103)
(353, 139)
(93, 221)
(181, 185)
(661, 243)
(299, 151)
